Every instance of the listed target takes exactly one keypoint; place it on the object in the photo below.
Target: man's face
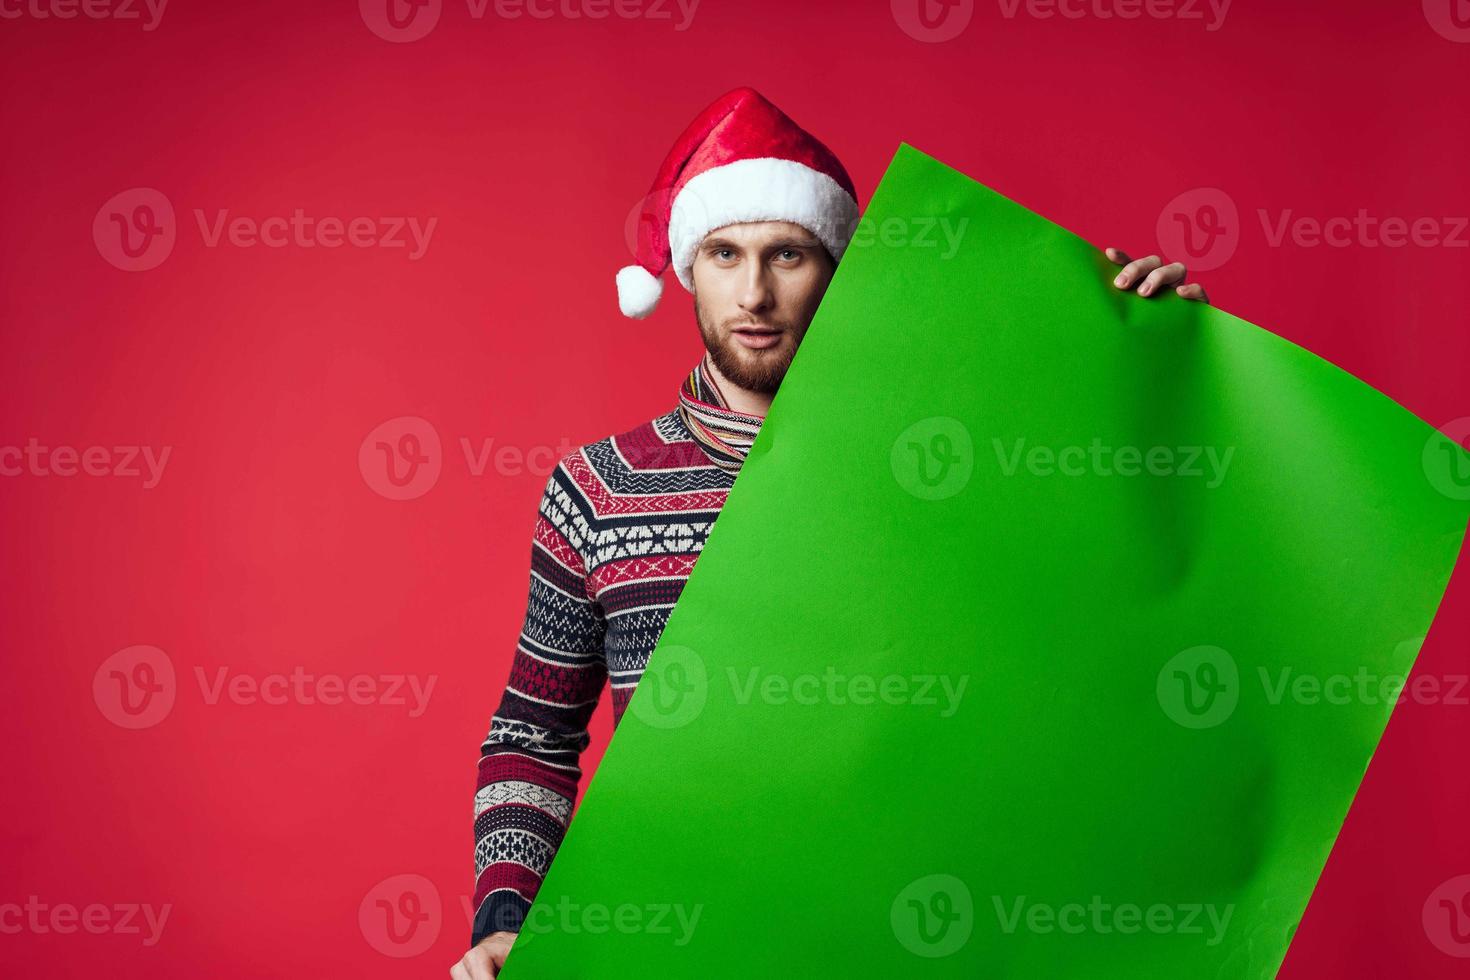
(756, 287)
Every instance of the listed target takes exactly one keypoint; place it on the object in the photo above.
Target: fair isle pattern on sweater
(620, 525)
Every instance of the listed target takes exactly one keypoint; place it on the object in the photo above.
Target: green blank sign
(1047, 632)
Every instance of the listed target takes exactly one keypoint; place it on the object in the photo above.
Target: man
(753, 213)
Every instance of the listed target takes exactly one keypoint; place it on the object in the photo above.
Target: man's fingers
(1136, 270)
(1149, 275)
(483, 967)
(1164, 275)
(478, 964)
(1193, 291)
(498, 948)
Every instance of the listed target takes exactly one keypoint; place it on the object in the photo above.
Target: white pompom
(638, 291)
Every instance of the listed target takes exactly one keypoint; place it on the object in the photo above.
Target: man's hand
(1149, 276)
(484, 961)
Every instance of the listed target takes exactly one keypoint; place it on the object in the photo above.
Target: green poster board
(1001, 659)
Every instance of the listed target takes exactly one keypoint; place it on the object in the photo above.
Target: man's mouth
(758, 338)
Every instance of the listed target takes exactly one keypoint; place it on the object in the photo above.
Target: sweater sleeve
(529, 762)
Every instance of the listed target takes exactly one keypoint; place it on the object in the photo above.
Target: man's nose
(755, 290)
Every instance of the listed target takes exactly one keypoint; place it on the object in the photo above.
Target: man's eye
(791, 254)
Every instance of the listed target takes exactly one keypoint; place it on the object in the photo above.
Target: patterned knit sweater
(620, 525)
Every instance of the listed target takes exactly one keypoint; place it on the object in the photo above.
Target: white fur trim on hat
(638, 291)
(758, 189)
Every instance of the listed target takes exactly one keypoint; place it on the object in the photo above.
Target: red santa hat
(741, 159)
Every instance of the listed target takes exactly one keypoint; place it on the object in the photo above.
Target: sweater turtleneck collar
(724, 434)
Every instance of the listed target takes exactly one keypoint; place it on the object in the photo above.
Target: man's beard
(754, 370)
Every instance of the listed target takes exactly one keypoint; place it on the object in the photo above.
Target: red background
(264, 549)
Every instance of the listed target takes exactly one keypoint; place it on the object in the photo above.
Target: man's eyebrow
(795, 243)
(711, 244)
